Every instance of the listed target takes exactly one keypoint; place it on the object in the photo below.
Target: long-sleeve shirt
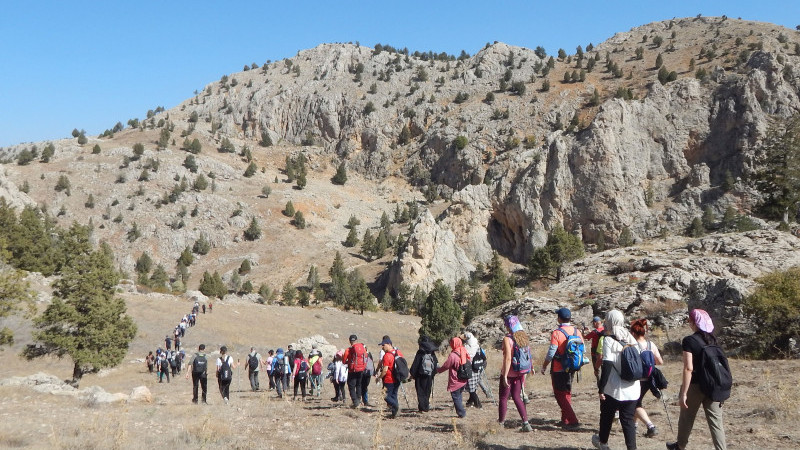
(451, 364)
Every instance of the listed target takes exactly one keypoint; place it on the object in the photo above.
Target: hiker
(225, 366)
(210, 307)
(253, 366)
(290, 354)
(455, 386)
(150, 360)
(268, 366)
(177, 344)
(473, 348)
(168, 342)
(691, 395)
(300, 373)
(279, 367)
(173, 362)
(368, 373)
(204, 308)
(639, 330)
(616, 394)
(356, 359)
(339, 378)
(594, 336)
(516, 364)
(386, 374)
(179, 362)
(422, 371)
(163, 365)
(199, 372)
(562, 380)
(315, 361)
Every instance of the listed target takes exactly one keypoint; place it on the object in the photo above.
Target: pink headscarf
(702, 320)
(459, 349)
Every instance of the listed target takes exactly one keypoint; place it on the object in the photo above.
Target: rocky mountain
(639, 132)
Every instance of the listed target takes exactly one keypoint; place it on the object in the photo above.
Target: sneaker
(572, 426)
(597, 444)
(226, 400)
(526, 427)
(651, 432)
(673, 446)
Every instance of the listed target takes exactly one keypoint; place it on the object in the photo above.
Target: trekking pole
(489, 387)
(664, 401)
(239, 387)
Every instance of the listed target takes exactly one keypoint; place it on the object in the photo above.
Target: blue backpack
(573, 357)
(648, 360)
(521, 359)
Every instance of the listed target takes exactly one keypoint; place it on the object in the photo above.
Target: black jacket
(426, 346)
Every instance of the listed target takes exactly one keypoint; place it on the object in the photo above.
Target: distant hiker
(516, 364)
(199, 370)
(616, 393)
(315, 361)
(150, 360)
(280, 367)
(168, 342)
(562, 380)
(183, 328)
(594, 336)
(386, 374)
(698, 347)
(368, 372)
(268, 366)
(356, 359)
(177, 343)
(457, 357)
(204, 308)
(300, 373)
(163, 365)
(210, 308)
(225, 366)
(290, 354)
(639, 330)
(339, 378)
(422, 371)
(253, 366)
(472, 346)
(173, 362)
(181, 355)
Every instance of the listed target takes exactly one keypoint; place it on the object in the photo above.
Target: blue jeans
(457, 402)
(391, 396)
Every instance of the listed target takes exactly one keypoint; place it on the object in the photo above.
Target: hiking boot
(597, 444)
(572, 426)
(673, 446)
(651, 432)
(526, 427)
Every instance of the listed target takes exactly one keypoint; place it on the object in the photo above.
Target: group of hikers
(622, 359)
(169, 360)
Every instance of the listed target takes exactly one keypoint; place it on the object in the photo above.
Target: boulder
(140, 394)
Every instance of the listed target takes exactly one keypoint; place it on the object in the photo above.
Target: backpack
(225, 372)
(252, 362)
(648, 360)
(521, 359)
(479, 361)
(427, 366)
(714, 373)
(164, 365)
(357, 359)
(573, 357)
(400, 369)
(464, 371)
(631, 366)
(302, 371)
(173, 362)
(280, 365)
(316, 369)
(200, 364)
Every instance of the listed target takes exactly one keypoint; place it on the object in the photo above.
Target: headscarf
(471, 345)
(512, 322)
(426, 345)
(458, 348)
(614, 326)
(701, 318)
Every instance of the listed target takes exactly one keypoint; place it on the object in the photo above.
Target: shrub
(251, 170)
(63, 184)
(201, 245)
(299, 220)
(775, 307)
(288, 211)
(340, 177)
(460, 142)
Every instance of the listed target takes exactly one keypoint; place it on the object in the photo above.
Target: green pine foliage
(561, 247)
(625, 237)
(778, 177)
(775, 306)
(340, 177)
(245, 267)
(289, 211)
(288, 293)
(299, 220)
(201, 245)
(212, 285)
(251, 170)
(253, 232)
(696, 228)
(352, 238)
(441, 315)
(15, 296)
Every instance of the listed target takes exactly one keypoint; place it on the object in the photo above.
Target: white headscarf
(471, 344)
(614, 326)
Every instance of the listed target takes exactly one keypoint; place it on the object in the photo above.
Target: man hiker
(253, 366)
(387, 376)
(204, 308)
(225, 366)
(199, 370)
(168, 342)
(355, 357)
(594, 336)
(562, 380)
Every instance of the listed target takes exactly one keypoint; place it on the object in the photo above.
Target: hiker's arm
(657, 356)
(688, 367)
(605, 373)
(551, 352)
(508, 349)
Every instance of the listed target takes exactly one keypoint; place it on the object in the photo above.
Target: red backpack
(357, 359)
(316, 369)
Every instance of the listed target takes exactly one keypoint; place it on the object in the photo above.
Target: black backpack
(479, 361)
(225, 372)
(252, 362)
(400, 369)
(164, 365)
(302, 371)
(714, 373)
(464, 371)
(200, 364)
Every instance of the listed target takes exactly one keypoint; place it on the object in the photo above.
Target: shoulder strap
(566, 335)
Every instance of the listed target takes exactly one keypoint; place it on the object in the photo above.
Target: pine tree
(352, 222)
(186, 258)
(313, 278)
(368, 245)
(360, 295)
(625, 237)
(253, 232)
(288, 211)
(500, 290)
(441, 316)
(561, 247)
(341, 175)
(696, 228)
(380, 246)
(245, 267)
(352, 238)
(15, 296)
(201, 245)
(247, 287)
(299, 220)
(143, 264)
(85, 321)
(159, 278)
(303, 298)
(288, 293)
(251, 170)
(778, 176)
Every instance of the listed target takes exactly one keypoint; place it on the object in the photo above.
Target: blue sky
(88, 64)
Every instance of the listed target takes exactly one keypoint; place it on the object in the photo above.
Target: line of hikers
(624, 363)
(168, 361)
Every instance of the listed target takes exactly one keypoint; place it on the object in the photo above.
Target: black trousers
(354, 380)
(627, 410)
(198, 379)
(224, 388)
(301, 384)
(424, 386)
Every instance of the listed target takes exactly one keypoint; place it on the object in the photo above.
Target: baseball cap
(353, 337)
(385, 341)
(564, 313)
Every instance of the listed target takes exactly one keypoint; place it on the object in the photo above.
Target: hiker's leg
(607, 409)
(195, 383)
(715, 426)
(686, 420)
(503, 393)
(457, 402)
(627, 410)
(204, 387)
(365, 379)
(516, 395)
